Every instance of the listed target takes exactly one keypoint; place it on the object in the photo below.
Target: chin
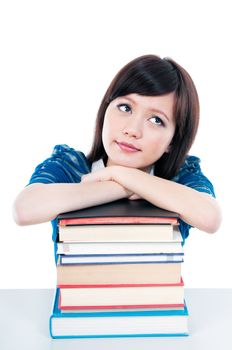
(135, 165)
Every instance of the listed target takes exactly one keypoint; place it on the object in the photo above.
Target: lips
(128, 147)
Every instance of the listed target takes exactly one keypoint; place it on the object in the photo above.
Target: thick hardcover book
(121, 211)
(133, 296)
(144, 323)
(107, 248)
(141, 273)
(116, 233)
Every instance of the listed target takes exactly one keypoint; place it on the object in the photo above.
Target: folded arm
(40, 202)
(196, 208)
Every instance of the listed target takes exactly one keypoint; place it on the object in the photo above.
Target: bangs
(146, 78)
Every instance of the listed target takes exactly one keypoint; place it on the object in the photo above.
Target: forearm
(198, 209)
(39, 203)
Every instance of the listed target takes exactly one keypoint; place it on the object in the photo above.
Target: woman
(145, 126)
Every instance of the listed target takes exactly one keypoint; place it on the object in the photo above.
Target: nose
(133, 128)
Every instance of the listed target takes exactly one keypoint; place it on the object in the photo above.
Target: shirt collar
(99, 164)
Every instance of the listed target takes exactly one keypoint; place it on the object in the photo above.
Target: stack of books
(119, 273)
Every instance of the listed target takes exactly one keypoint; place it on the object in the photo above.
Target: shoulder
(191, 175)
(70, 156)
(190, 165)
(64, 165)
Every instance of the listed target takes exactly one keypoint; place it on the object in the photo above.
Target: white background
(57, 59)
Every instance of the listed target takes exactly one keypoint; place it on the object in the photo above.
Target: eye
(156, 120)
(124, 107)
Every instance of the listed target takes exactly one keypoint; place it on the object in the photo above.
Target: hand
(105, 174)
(108, 174)
(134, 196)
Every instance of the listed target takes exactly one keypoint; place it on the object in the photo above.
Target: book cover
(120, 209)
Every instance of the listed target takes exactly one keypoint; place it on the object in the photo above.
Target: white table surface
(24, 324)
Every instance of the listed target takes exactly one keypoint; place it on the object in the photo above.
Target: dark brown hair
(151, 75)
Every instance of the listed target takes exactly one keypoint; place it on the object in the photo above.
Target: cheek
(106, 131)
(159, 143)
(111, 126)
(156, 141)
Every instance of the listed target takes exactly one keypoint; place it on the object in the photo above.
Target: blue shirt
(66, 165)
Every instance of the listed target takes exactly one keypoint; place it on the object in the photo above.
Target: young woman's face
(138, 129)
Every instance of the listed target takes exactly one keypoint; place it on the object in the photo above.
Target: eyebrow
(152, 109)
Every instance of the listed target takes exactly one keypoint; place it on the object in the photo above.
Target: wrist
(119, 174)
(122, 174)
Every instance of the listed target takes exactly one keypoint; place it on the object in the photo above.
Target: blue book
(117, 323)
(120, 259)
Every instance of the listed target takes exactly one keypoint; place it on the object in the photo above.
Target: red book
(119, 221)
(122, 211)
(79, 297)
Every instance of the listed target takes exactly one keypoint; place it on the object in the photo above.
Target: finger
(134, 197)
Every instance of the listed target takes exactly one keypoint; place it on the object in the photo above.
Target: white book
(173, 246)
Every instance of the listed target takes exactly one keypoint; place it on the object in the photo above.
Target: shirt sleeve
(192, 176)
(65, 165)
